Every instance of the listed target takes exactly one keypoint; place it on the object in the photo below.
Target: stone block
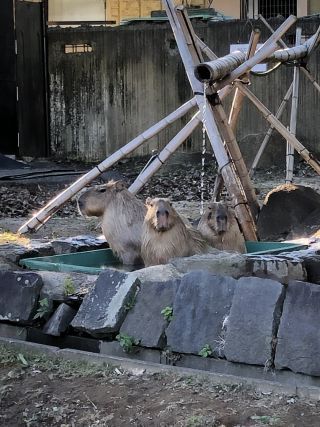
(60, 320)
(36, 335)
(201, 305)
(54, 284)
(78, 244)
(222, 263)
(298, 346)
(253, 321)
(276, 268)
(144, 320)
(11, 331)
(104, 307)
(113, 348)
(19, 294)
(156, 273)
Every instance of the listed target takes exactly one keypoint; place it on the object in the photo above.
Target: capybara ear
(148, 201)
(119, 185)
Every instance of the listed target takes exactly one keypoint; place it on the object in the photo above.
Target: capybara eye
(102, 190)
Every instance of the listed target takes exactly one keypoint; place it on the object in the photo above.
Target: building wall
(229, 8)
(134, 77)
(76, 10)
(116, 10)
(314, 7)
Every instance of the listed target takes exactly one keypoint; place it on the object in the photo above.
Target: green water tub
(93, 262)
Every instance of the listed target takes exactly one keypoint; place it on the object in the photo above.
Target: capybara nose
(162, 212)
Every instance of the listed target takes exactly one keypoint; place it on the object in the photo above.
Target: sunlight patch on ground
(14, 238)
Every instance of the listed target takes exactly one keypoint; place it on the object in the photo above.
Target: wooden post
(301, 149)
(191, 56)
(270, 130)
(233, 119)
(293, 115)
(42, 216)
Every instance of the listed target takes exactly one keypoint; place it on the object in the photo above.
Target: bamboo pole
(236, 156)
(293, 115)
(266, 50)
(233, 118)
(168, 150)
(42, 216)
(270, 130)
(304, 153)
(186, 42)
(282, 43)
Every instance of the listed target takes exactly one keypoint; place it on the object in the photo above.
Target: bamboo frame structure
(293, 115)
(191, 57)
(210, 112)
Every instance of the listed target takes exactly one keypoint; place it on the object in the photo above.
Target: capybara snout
(219, 219)
(160, 214)
(219, 226)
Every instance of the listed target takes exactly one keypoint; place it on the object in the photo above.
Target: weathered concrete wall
(100, 100)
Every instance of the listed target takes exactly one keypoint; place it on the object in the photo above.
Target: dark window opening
(274, 8)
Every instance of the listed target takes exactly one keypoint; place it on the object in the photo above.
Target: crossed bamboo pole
(286, 98)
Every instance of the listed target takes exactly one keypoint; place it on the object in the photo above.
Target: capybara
(165, 235)
(219, 227)
(122, 218)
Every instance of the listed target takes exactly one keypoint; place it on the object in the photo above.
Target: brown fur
(122, 218)
(219, 227)
(165, 236)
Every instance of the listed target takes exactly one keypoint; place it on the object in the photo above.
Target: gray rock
(253, 321)
(14, 252)
(55, 284)
(312, 266)
(276, 267)
(60, 320)
(19, 294)
(222, 263)
(6, 265)
(11, 331)
(78, 244)
(103, 308)
(298, 346)
(144, 320)
(156, 273)
(200, 307)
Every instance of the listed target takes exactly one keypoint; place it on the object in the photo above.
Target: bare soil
(37, 391)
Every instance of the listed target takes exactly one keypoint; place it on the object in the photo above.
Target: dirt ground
(38, 391)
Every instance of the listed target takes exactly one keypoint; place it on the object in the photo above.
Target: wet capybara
(122, 218)
(165, 235)
(219, 227)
